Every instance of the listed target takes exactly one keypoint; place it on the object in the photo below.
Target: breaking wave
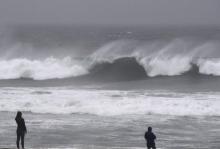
(164, 59)
(49, 68)
(120, 59)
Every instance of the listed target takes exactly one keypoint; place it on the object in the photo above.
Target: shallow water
(66, 117)
(92, 87)
(83, 131)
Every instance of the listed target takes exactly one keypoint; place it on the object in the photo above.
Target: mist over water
(36, 51)
(100, 87)
(96, 74)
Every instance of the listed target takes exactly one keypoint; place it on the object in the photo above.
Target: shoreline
(84, 131)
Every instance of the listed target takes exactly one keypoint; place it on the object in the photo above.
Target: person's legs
(18, 140)
(153, 147)
(149, 147)
(22, 140)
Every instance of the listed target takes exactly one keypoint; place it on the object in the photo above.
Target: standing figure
(21, 129)
(150, 137)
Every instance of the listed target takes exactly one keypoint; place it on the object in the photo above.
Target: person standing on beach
(21, 129)
(150, 137)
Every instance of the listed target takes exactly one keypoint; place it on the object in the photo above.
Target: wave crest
(156, 58)
(160, 58)
(166, 66)
(49, 68)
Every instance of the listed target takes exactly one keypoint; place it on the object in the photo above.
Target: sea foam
(158, 58)
(109, 103)
(49, 68)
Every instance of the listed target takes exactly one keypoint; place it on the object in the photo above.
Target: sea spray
(49, 68)
(158, 57)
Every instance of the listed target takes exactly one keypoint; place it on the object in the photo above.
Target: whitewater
(101, 87)
(108, 102)
(157, 58)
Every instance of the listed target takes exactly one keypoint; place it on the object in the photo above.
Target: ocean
(102, 87)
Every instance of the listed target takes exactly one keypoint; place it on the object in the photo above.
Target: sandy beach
(49, 131)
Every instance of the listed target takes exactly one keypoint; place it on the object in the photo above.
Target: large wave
(165, 59)
(122, 58)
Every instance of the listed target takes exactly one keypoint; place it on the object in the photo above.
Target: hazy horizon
(111, 13)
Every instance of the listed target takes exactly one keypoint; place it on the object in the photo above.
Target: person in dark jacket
(150, 137)
(21, 129)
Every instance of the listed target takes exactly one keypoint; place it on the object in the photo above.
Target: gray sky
(116, 12)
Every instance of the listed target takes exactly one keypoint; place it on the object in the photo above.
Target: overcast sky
(116, 12)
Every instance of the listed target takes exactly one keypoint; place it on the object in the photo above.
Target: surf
(101, 102)
(35, 52)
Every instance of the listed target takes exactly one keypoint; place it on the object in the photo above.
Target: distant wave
(122, 60)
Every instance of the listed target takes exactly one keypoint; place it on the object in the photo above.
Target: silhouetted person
(150, 137)
(21, 129)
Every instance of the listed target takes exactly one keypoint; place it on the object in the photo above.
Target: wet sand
(90, 131)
